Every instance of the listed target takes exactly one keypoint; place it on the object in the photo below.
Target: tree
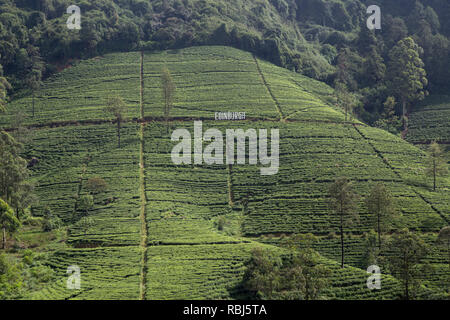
(343, 202)
(371, 251)
(36, 67)
(406, 74)
(306, 275)
(85, 224)
(444, 238)
(116, 106)
(85, 203)
(405, 258)
(96, 185)
(168, 92)
(436, 164)
(389, 121)
(343, 74)
(4, 87)
(8, 222)
(389, 109)
(51, 222)
(14, 187)
(262, 275)
(11, 279)
(374, 67)
(345, 99)
(380, 204)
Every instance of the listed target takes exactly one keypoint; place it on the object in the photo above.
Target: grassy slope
(186, 256)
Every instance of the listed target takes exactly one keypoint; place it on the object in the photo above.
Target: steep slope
(181, 251)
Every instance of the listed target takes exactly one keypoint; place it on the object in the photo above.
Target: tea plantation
(166, 231)
(430, 121)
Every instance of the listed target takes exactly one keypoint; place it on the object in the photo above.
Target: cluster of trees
(298, 275)
(16, 191)
(389, 71)
(405, 252)
(22, 275)
(385, 71)
(395, 86)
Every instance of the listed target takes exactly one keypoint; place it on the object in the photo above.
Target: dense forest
(325, 40)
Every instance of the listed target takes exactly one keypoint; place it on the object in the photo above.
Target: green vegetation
(343, 202)
(405, 260)
(117, 108)
(198, 243)
(315, 38)
(380, 204)
(406, 77)
(430, 121)
(8, 222)
(437, 165)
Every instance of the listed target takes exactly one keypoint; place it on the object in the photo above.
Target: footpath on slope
(143, 216)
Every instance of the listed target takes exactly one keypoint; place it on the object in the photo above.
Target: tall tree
(4, 87)
(345, 99)
(313, 276)
(117, 108)
(8, 222)
(34, 77)
(168, 92)
(11, 278)
(406, 253)
(263, 273)
(407, 77)
(374, 67)
(343, 202)
(380, 204)
(436, 163)
(14, 187)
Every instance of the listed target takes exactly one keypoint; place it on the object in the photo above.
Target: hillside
(327, 40)
(155, 233)
(430, 121)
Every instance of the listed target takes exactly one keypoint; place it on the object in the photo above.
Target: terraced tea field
(430, 121)
(155, 231)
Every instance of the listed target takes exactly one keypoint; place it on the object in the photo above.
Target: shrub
(221, 223)
(85, 203)
(96, 185)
